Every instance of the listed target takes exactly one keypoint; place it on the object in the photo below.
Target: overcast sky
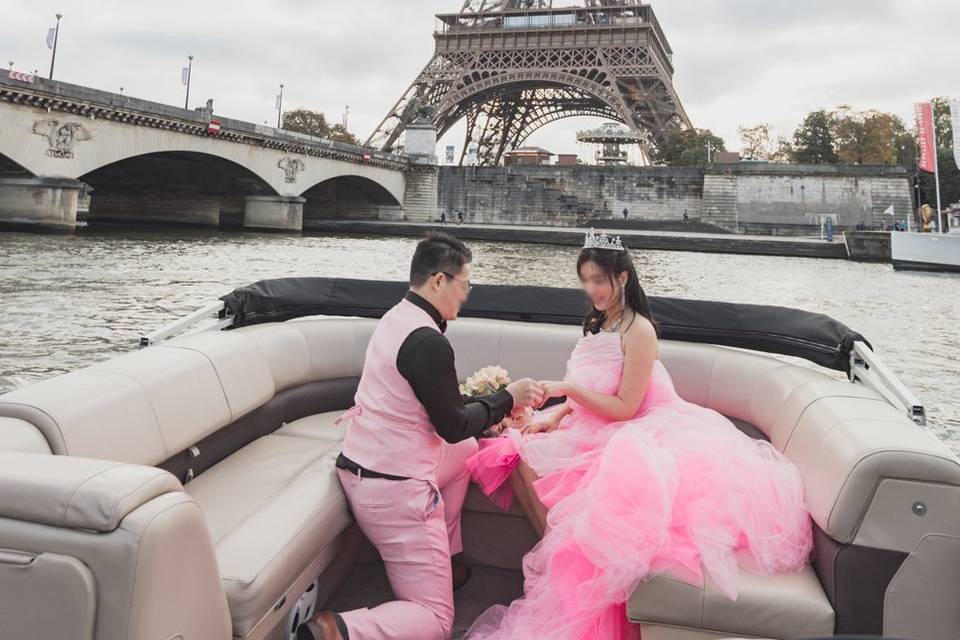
(738, 62)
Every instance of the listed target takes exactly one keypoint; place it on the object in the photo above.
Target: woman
(626, 479)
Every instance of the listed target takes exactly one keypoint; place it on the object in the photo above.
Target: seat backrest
(847, 442)
(146, 406)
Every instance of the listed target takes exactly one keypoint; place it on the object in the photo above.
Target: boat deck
(367, 586)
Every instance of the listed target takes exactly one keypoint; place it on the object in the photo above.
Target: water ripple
(69, 301)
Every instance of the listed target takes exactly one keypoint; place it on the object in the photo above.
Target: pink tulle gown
(678, 489)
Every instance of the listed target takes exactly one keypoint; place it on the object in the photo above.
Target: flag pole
(56, 36)
(936, 169)
(279, 106)
(186, 102)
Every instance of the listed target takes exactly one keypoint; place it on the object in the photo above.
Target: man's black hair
(438, 253)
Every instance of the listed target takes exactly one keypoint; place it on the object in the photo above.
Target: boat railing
(867, 369)
(187, 322)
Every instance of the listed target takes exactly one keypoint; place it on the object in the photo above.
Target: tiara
(602, 241)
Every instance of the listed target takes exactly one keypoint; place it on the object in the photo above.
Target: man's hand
(553, 389)
(526, 393)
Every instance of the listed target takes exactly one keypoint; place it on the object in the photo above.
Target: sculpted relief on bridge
(62, 137)
(292, 167)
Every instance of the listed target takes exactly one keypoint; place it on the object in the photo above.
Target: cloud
(738, 62)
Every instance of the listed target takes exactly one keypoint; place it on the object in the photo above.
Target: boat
(916, 251)
(186, 489)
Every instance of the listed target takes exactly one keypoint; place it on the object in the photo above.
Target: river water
(69, 301)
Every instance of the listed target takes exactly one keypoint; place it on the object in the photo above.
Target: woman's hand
(526, 393)
(543, 425)
(554, 389)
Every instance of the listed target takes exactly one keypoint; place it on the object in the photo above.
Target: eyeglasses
(464, 283)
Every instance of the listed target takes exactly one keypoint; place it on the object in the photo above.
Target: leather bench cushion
(184, 391)
(337, 346)
(319, 427)
(285, 407)
(241, 367)
(740, 384)
(93, 414)
(20, 435)
(76, 493)
(272, 508)
(789, 605)
(846, 444)
(538, 351)
(285, 350)
(843, 438)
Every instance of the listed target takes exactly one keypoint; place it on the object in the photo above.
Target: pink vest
(388, 430)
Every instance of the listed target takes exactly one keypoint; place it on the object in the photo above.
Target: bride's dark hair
(612, 264)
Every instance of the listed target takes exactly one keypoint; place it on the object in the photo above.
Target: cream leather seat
(791, 605)
(319, 426)
(245, 509)
(274, 509)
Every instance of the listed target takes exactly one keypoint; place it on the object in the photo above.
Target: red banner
(927, 156)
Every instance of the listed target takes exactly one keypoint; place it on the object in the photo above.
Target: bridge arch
(9, 168)
(349, 196)
(185, 187)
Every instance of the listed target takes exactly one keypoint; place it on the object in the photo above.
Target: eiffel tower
(509, 67)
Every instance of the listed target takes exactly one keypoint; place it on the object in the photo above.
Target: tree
(813, 140)
(756, 142)
(311, 123)
(685, 147)
(314, 123)
(866, 137)
(941, 116)
(784, 151)
(339, 134)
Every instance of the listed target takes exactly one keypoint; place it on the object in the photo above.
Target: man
(402, 466)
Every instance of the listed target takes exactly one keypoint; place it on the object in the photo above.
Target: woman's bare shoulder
(640, 337)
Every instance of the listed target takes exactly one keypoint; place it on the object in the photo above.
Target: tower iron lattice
(509, 67)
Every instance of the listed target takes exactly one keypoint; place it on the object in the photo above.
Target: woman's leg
(522, 494)
(538, 509)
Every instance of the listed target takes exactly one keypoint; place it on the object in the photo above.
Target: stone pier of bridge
(40, 204)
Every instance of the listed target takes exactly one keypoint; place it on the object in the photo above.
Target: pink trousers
(415, 525)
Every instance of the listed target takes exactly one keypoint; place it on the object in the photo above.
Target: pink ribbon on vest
(352, 412)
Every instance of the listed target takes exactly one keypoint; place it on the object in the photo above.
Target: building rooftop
(522, 151)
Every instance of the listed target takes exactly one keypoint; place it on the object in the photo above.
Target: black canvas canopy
(812, 336)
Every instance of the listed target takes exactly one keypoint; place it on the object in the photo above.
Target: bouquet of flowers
(490, 380)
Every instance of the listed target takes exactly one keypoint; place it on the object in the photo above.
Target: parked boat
(187, 489)
(928, 251)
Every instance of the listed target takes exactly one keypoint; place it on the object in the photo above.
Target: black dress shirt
(426, 361)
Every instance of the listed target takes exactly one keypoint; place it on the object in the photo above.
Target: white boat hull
(925, 251)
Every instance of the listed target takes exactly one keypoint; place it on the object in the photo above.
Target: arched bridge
(148, 162)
